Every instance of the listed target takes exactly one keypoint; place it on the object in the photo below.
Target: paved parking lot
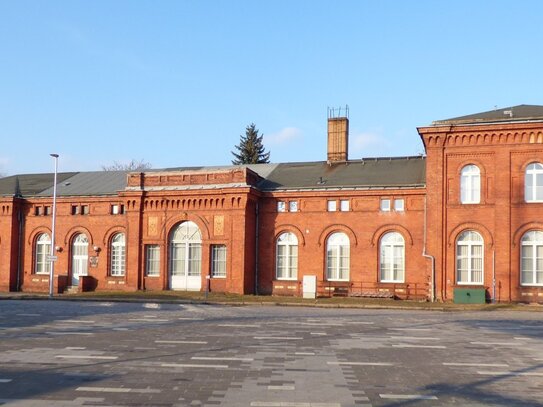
(67, 353)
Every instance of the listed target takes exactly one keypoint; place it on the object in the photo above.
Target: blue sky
(175, 83)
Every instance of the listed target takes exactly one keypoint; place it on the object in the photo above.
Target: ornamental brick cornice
(480, 137)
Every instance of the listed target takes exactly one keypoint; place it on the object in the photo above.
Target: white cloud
(283, 136)
(368, 143)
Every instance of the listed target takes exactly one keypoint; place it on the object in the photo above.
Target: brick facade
(232, 209)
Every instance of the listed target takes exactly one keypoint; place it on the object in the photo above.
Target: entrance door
(80, 257)
(186, 257)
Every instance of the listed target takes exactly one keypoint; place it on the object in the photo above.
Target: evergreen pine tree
(250, 149)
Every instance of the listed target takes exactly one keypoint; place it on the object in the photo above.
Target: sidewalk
(176, 297)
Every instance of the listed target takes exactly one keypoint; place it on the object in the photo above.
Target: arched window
(118, 255)
(533, 182)
(337, 257)
(287, 257)
(392, 250)
(185, 256)
(43, 249)
(470, 185)
(80, 257)
(532, 258)
(469, 258)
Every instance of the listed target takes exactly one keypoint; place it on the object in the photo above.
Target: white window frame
(117, 255)
(218, 261)
(533, 240)
(293, 206)
(470, 184)
(331, 206)
(533, 192)
(286, 257)
(399, 205)
(43, 249)
(344, 205)
(392, 258)
(186, 250)
(384, 206)
(338, 249)
(80, 255)
(281, 206)
(152, 260)
(466, 240)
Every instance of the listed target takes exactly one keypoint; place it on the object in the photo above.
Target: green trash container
(469, 296)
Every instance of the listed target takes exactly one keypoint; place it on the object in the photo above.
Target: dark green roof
(369, 173)
(507, 114)
(30, 184)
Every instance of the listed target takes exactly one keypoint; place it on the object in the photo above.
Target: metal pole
(52, 253)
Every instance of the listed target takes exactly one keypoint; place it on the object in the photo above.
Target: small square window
(75, 209)
(38, 211)
(281, 206)
(85, 209)
(115, 209)
(344, 205)
(293, 206)
(48, 210)
(332, 206)
(385, 205)
(399, 205)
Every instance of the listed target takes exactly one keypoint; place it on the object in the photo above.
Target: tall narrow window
(218, 261)
(533, 191)
(470, 185)
(469, 258)
(80, 257)
(392, 258)
(118, 254)
(152, 260)
(287, 257)
(337, 257)
(43, 249)
(532, 258)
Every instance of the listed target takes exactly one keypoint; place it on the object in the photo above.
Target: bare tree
(133, 165)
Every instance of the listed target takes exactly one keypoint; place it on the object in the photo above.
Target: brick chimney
(338, 139)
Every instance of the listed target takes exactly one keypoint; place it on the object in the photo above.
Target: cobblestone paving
(60, 353)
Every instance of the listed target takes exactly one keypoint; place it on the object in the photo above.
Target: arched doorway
(185, 267)
(80, 257)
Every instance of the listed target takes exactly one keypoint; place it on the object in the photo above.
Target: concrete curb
(43, 297)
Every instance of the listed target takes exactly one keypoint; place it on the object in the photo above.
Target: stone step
(72, 289)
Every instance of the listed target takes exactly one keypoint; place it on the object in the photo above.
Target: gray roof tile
(508, 114)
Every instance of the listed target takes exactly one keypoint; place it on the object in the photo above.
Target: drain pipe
(428, 256)
(21, 220)
(256, 249)
(493, 276)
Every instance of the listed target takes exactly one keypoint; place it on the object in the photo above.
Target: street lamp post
(52, 258)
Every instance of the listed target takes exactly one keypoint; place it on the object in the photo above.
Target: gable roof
(30, 184)
(369, 173)
(507, 114)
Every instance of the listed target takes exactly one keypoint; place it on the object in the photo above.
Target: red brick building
(468, 215)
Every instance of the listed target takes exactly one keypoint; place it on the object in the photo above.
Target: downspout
(256, 249)
(428, 256)
(21, 220)
(493, 276)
